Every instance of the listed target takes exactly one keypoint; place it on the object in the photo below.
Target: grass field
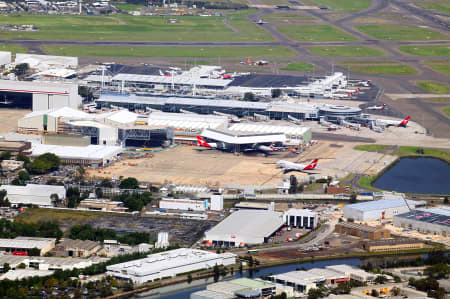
(280, 18)
(443, 68)
(433, 87)
(129, 7)
(375, 62)
(447, 111)
(439, 6)
(438, 50)
(400, 32)
(367, 181)
(395, 69)
(316, 33)
(298, 66)
(169, 52)
(135, 28)
(13, 48)
(345, 51)
(342, 5)
(36, 215)
(371, 147)
(403, 151)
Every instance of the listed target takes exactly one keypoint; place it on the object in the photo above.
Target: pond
(419, 175)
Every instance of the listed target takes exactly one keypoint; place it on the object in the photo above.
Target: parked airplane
(261, 22)
(291, 166)
(382, 107)
(5, 102)
(397, 123)
(253, 147)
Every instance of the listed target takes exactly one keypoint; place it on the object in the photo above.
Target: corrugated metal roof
(381, 204)
(90, 152)
(234, 138)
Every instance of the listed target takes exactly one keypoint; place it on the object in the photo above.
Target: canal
(421, 175)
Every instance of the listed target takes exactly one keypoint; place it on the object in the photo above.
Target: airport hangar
(429, 221)
(378, 209)
(273, 110)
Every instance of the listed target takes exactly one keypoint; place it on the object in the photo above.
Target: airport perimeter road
(318, 236)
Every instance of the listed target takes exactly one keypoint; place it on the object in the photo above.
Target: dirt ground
(9, 118)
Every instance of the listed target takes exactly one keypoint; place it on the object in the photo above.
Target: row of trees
(87, 232)
(44, 229)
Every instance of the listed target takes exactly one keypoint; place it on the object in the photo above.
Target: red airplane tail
(312, 165)
(405, 121)
(202, 142)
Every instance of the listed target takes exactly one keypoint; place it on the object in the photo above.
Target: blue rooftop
(381, 204)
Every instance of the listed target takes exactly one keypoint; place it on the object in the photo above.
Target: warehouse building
(236, 230)
(390, 244)
(168, 264)
(33, 194)
(301, 281)
(185, 204)
(101, 205)
(378, 209)
(23, 245)
(428, 221)
(353, 273)
(91, 155)
(39, 95)
(301, 218)
(15, 147)
(76, 248)
(362, 231)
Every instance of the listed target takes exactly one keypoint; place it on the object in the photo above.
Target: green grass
(438, 61)
(129, 7)
(345, 51)
(316, 33)
(433, 87)
(397, 69)
(13, 48)
(135, 28)
(35, 215)
(372, 147)
(367, 181)
(442, 7)
(343, 5)
(447, 111)
(280, 18)
(298, 66)
(169, 52)
(357, 62)
(443, 68)
(437, 50)
(400, 32)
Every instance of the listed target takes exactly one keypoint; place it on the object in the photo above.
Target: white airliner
(261, 22)
(397, 123)
(291, 166)
(382, 107)
(251, 147)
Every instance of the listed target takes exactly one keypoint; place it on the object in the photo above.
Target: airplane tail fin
(312, 165)
(405, 121)
(202, 142)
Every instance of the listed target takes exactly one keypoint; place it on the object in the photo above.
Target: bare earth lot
(9, 118)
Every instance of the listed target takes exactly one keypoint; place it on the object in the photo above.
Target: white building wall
(5, 57)
(373, 214)
(216, 202)
(108, 136)
(185, 204)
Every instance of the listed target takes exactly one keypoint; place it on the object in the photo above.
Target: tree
(6, 155)
(21, 266)
(381, 279)
(22, 157)
(44, 163)
(55, 198)
(315, 293)
(249, 97)
(216, 272)
(20, 69)
(438, 293)
(23, 176)
(276, 93)
(6, 267)
(438, 271)
(293, 184)
(4, 202)
(98, 192)
(34, 252)
(129, 183)
(446, 200)
(353, 197)
(374, 293)
(396, 291)
(189, 278)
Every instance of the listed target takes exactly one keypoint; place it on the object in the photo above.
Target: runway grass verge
(316, 33)
(281, 18)
(438, 6)
(169, 52)
(136, 28)
(443, 68)
(13, 48)
(129, 7)
(435, 50)
(371, 147)
(447, 111)
(398, 32)
(298, 66)
(343, 5)
(379, 69)
(345, 51)
(433, 87)
(404, 151)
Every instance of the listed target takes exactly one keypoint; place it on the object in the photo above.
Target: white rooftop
(59, 112)
(257, 128)
(24, 273)
(90, 152)
(34, 190)
(183, 80)
(236, 138)
(25, 243)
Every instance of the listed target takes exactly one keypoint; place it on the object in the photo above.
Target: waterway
(184, 290)
(421, 175)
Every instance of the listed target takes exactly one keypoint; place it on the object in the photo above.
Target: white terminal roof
(25, 243)
(250, 223)
(256, 128)
(381, 204)
(179, 80)
(25, 273)
(235, 138)
(180, 120)
(59, 112)
(122, 116)
(34, 190)
(90, 152)
(158, 262)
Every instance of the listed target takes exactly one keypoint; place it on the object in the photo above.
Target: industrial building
(245, 227)
(33, 194)
(39, 95)
(216, 201)
(428, 221)
(301, 218)
(15, 147)
(11, 165)
(101, 205)
(168, 264)
(390, 244)
(185, 204)
(92, 155)
(25, 244)
(76, 248)
(301, 281)
(378, 209)
(362, 231)
(353, 273)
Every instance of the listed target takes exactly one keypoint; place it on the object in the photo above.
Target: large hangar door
(58, 101)
(40, 102)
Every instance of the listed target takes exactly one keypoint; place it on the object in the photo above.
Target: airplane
(364, 83)
(255, 147)
(382, 107)
(261, 22)
(5, 102)
(291, 166)
(397, 123)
